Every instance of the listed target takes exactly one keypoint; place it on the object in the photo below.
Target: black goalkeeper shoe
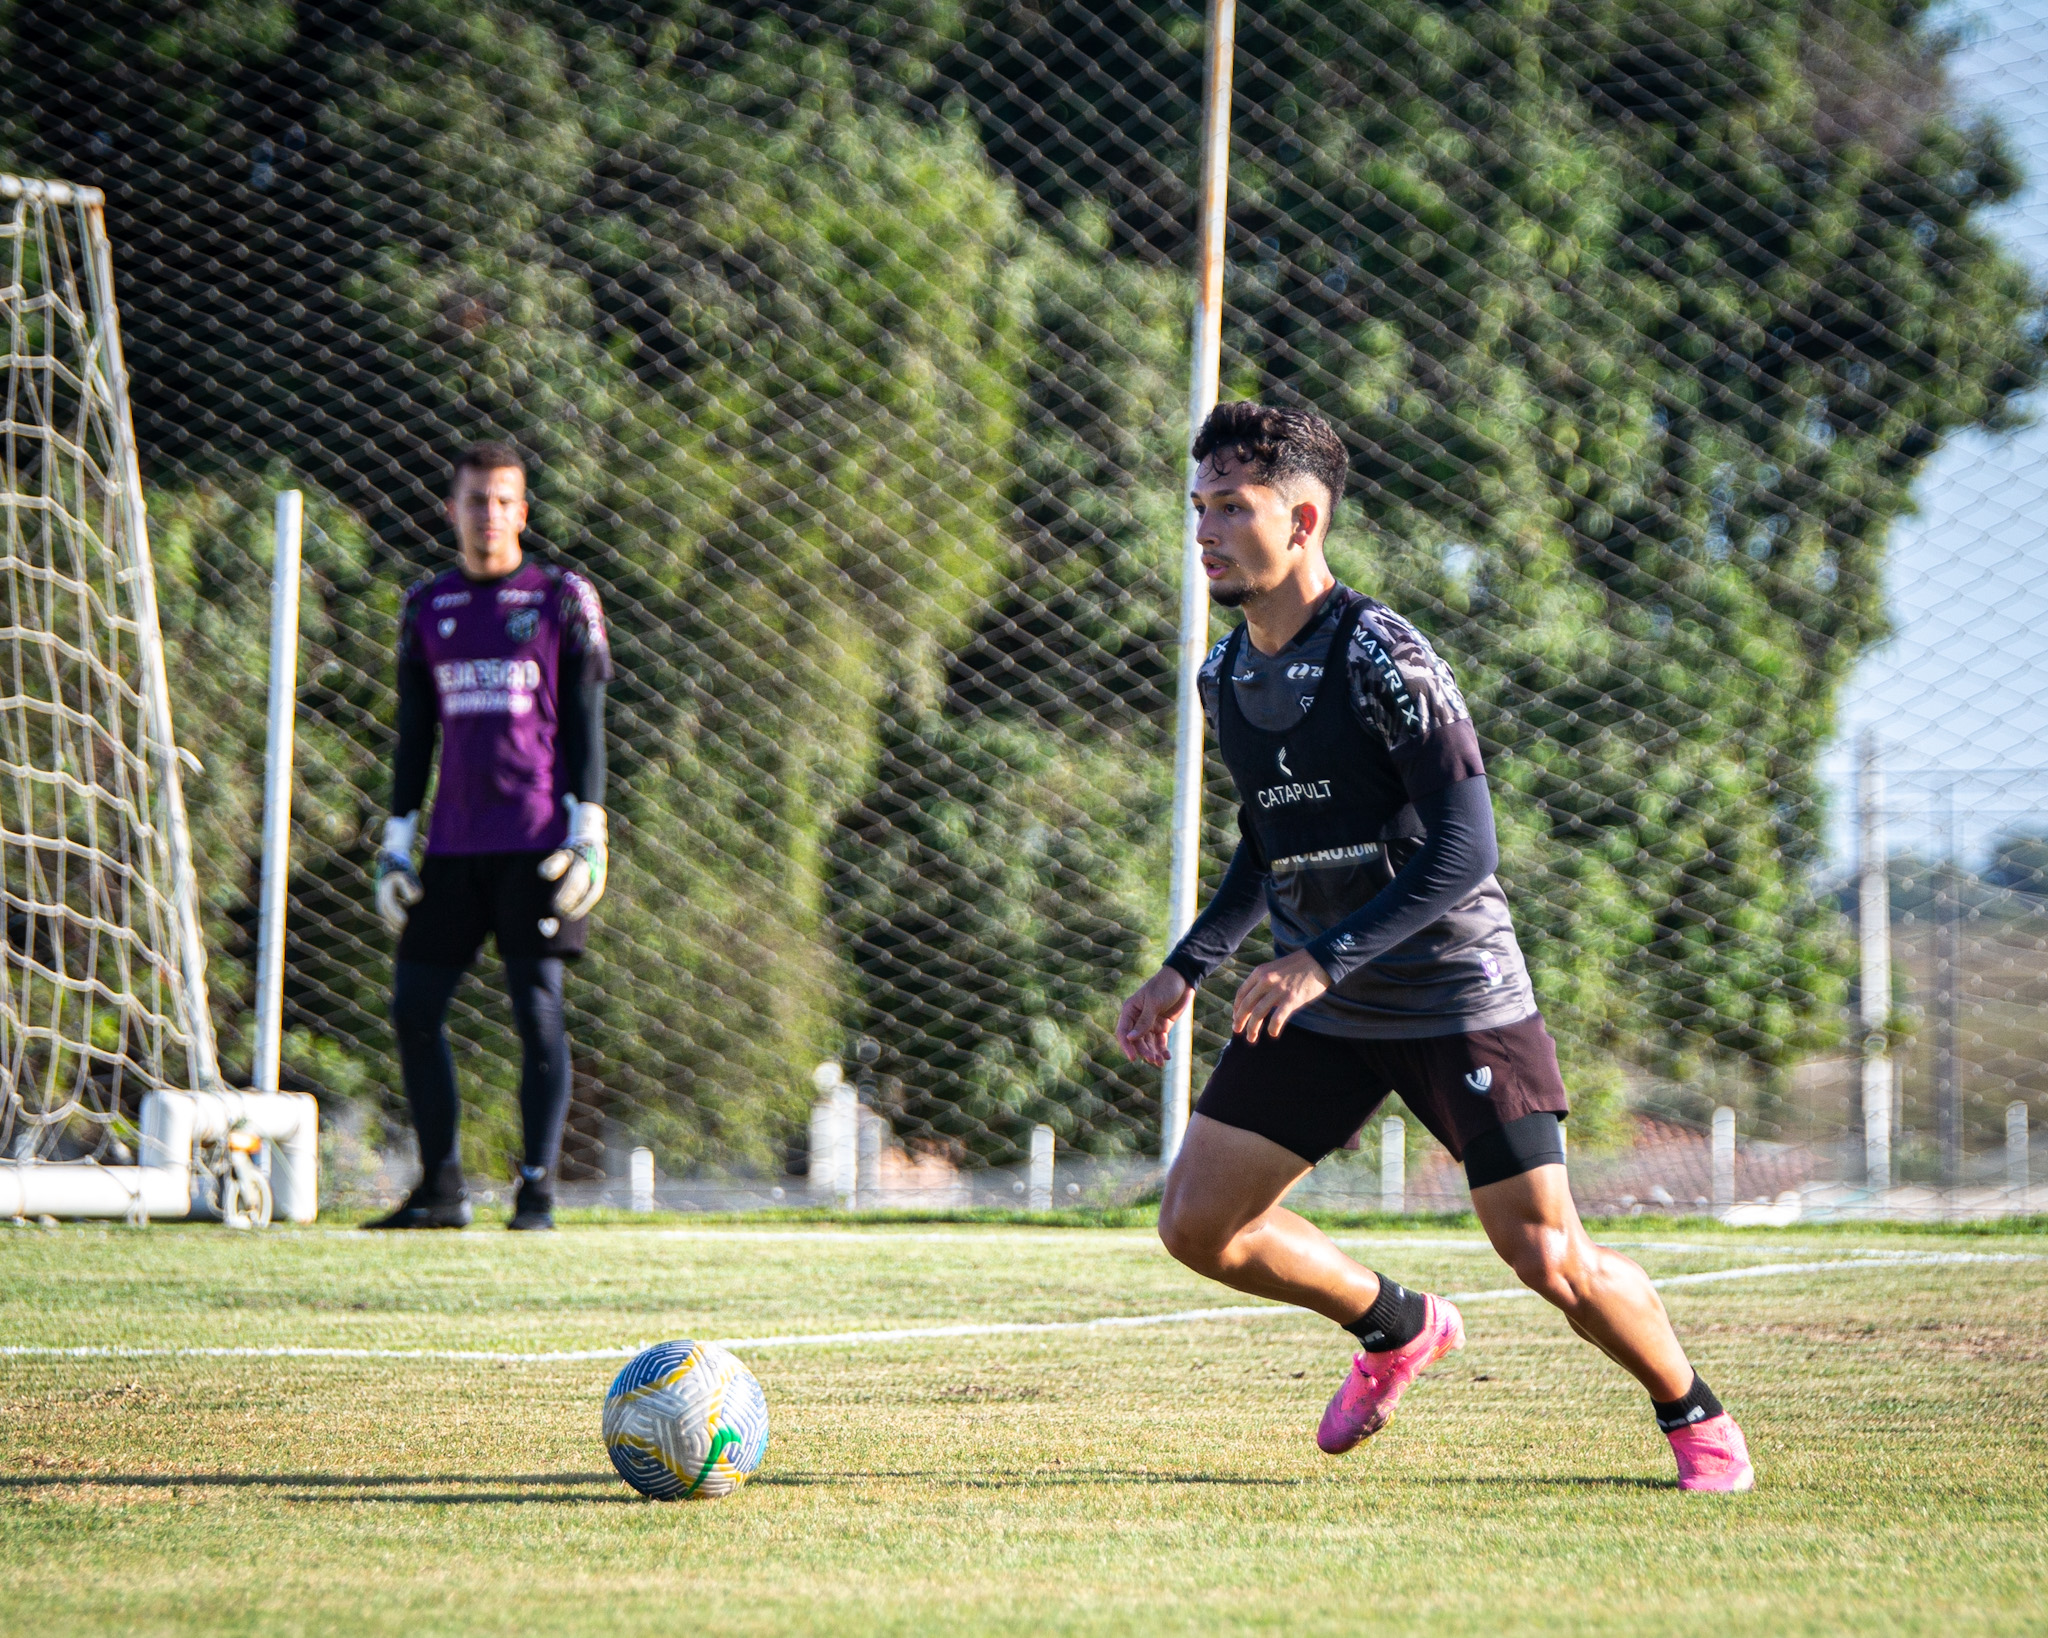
(534, 1208)
(427, 1209)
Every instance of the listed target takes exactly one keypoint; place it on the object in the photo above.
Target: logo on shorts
(447, 626)
(549, 926)
(1281, 757)
(1480, 1080)
(520, 627)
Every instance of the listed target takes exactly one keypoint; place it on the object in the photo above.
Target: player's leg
(1495, 1098)
(1271, 1110)
(536, 945)
(1608, 1299)
(1221, 1216)
(535, 987)
(420, 993)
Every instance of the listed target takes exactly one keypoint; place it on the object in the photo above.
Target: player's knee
(416, 1011)
(1548, 1266)
(1190, 1240)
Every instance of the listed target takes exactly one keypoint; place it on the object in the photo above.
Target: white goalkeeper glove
(579, 863)
(398, 884)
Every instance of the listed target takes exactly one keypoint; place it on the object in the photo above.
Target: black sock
(1698, 1404)
(1394, 1320)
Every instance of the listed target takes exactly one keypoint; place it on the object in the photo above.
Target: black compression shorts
(471, 896)
(1492, 1097)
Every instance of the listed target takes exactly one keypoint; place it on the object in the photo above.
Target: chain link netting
(850, 346)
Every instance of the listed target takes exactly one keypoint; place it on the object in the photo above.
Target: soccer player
(1367, 836)
(506, 660)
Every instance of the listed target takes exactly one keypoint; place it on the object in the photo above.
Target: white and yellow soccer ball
(685, 1420)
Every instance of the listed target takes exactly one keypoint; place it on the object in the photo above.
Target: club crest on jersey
(1480, 1080)
(521, 626)
(447, 626)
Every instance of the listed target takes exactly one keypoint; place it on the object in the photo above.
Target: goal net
(102, 985)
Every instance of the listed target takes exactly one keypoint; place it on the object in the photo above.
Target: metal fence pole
(1194, 588)
(1874, 938)
(2016, 1175)
(277, 790)
(1948, 1069)
(642, 1174)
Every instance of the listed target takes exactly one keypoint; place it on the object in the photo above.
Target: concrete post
(2016, 1146)
(642, 1175)
(1040, 1198)
(1394, 1164)
(1724, 1158)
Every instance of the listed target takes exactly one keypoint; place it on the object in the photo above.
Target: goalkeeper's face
(488, 510)
(1254, 537)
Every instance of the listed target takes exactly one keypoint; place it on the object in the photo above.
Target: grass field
(1112, 1480)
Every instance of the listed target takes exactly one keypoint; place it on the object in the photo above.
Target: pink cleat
(1712, 1456)
(1365, 1403)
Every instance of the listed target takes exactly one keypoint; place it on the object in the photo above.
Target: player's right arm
(412, 764)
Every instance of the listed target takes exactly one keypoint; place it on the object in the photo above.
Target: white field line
(1112, 1322)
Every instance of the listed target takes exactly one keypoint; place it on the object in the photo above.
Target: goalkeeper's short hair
(490, 456)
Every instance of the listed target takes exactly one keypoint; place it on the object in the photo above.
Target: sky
(1958, 695)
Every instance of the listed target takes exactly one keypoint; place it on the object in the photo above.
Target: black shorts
(470, 896)
(1493, 1097)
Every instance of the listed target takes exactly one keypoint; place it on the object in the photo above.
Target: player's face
(1251, 536)
(488, 510)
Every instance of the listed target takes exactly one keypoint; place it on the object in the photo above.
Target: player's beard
(1230, 597)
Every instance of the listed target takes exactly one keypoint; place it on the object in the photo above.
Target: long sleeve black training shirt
(1458, 852)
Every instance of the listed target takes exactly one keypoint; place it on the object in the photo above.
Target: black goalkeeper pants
(420, 995)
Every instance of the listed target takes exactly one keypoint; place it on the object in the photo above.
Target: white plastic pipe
(1040, 1196)
(277, 790)
(2016, 1145)
(1724, 1158)
(1394, 1164)
(1178, 1076)
(642, 1171)
(163, 1185)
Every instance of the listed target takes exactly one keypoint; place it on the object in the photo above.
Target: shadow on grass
(1024, 1481)
(309, 1486)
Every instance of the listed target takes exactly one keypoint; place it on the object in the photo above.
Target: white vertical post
(277, 790)
(1394, 1164)
(2016, 1146)
(867, 1172)
(1874, 941)
(1724, 1158)
(1194, 586)
(845, 1164)
(1040, 1198)
(642, 1174)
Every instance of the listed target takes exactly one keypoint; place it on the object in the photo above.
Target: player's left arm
(1401, 691)
(582, 863)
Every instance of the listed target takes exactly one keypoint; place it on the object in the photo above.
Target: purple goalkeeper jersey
(496, 650)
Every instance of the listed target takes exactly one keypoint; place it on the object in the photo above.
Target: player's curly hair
(489, 456)
(1275, 443)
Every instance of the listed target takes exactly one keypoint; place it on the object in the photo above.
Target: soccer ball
(685, 1419)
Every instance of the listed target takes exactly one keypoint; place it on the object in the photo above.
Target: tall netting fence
(850, 346)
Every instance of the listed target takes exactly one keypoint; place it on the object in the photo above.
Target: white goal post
(103, 1001)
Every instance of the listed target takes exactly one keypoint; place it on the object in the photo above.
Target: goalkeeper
(505, 660)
